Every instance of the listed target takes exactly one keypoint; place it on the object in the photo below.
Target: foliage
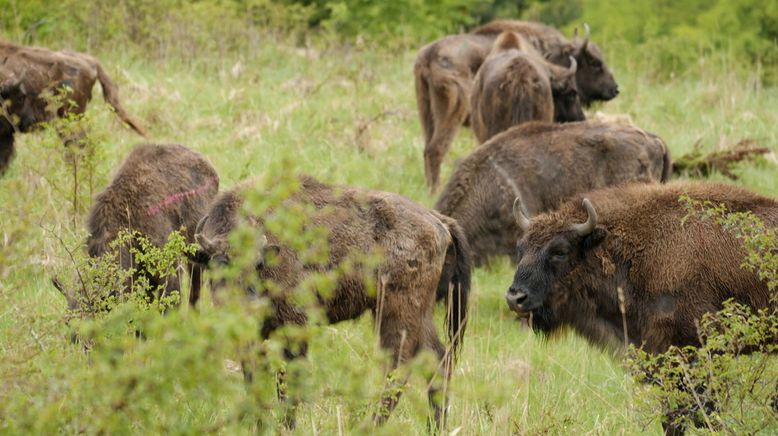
(680, 35)
(250, 104)
(729, 383)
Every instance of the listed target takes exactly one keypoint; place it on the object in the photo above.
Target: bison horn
(204, 242)
(519, 215)
(573, 67)
(200, 224)
(586, 37)
(587, 227)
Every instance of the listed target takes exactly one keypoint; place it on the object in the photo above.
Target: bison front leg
(195, 283)
(6, 151)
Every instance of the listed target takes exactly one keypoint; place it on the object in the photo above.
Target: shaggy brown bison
(594, 78)
(545, 164)
(515, 85)
(421, 252)
(29, 74)
(157, 190)
(444, 71)
(574, 262)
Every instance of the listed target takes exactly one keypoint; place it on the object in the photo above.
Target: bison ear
(595, 238)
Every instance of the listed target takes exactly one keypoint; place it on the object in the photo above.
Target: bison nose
(515, 298)
(615, 91)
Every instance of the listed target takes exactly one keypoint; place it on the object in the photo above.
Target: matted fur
(27, 74)
(421, 251)
(544, 164)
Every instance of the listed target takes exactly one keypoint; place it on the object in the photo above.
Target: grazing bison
(444, 71)
(157, 190)
(422, 251)
(515, 85)
(29, 74)
(545, 164)
(594, 78)
(574, 262)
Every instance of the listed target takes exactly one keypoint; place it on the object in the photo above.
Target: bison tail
(111, 95)
(454, 286)
(423, 99)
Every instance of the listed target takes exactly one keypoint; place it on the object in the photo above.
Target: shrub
(729, 383)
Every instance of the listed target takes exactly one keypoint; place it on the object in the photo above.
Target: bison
(29, 74)
(626, 260)
(515, 85)
(422, 251)
(594, 78)
(157, 190)
(444, 71)
(545, 164)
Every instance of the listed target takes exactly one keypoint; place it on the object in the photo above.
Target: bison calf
(157, 190)
(632, 240)
(544, 164)
(515, 85)
(594, 78)
(444, 72)
(421, 252)
(29, 74)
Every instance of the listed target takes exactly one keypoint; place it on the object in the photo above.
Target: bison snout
(515, 299)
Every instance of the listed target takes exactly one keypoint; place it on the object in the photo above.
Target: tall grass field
(345, 114)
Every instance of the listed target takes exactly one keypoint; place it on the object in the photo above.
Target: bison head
(567, 106)
(595, 80)
(547, 253)
(215, 252)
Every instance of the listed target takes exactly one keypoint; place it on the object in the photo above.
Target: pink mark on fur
(177, 197)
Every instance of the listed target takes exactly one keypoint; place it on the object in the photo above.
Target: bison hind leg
(437, 393)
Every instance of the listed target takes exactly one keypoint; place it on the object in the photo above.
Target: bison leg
(437, 392)
(289, 402)
(196, 282)
(450, 108)
(399, 335)
(6, 151)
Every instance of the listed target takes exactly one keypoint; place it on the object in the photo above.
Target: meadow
(345, 114)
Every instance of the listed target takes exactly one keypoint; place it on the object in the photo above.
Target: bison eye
(558, 254)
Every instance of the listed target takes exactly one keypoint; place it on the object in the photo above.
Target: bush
(730, 383)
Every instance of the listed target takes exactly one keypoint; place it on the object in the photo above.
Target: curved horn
(573, 67)
(586, 37)
(204, 242)
(587, 227)
(518, 214)
(200, 224)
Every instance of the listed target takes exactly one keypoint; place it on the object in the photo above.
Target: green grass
(345, 116)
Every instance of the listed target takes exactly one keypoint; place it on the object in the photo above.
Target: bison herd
(583, 208)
